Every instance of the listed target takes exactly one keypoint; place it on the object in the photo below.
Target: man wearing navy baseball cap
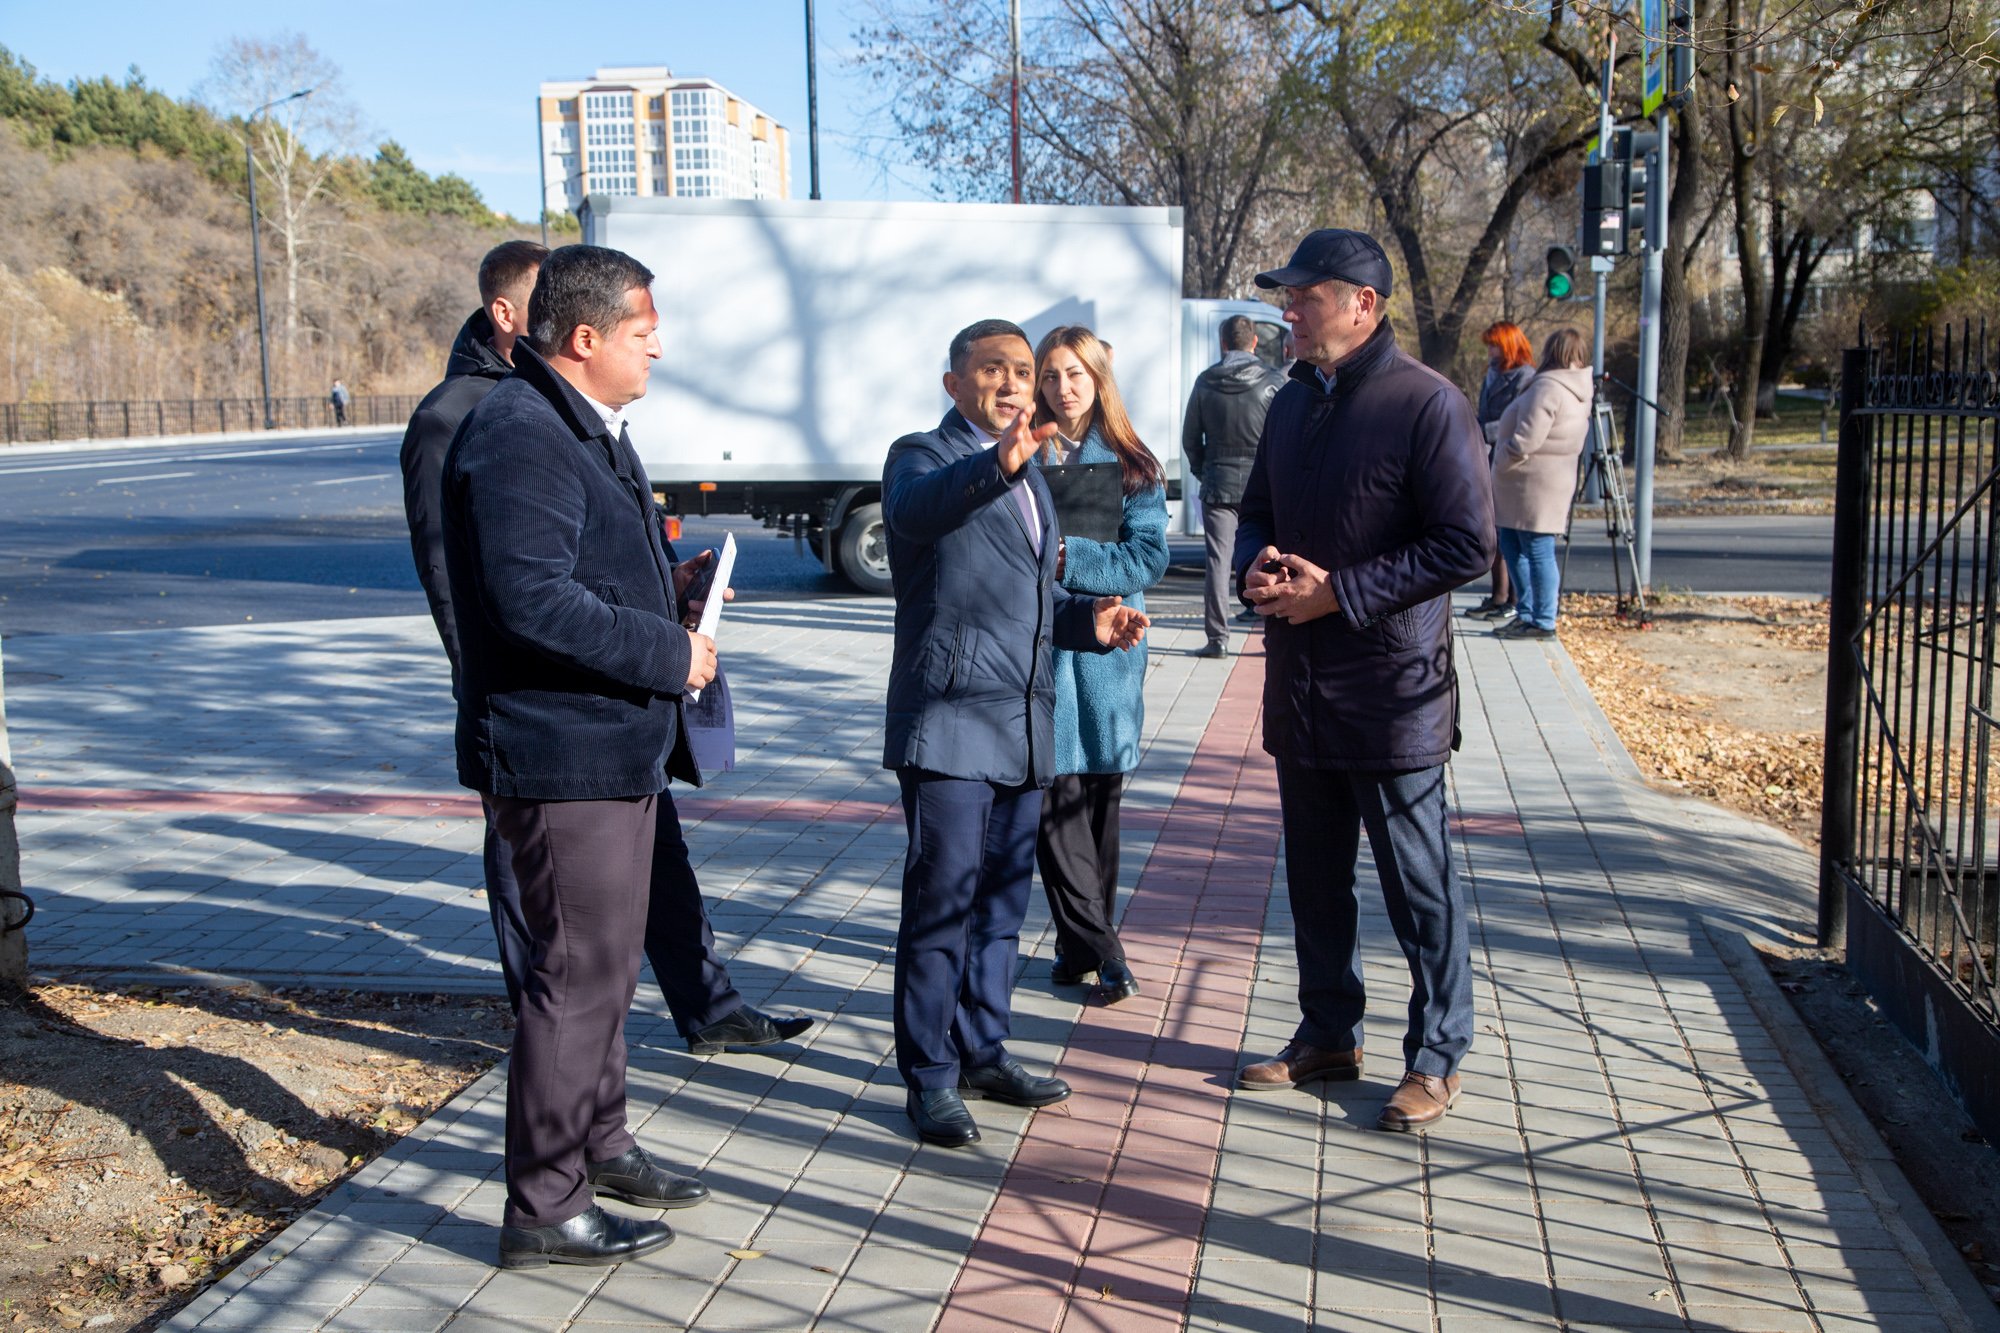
(1369, 502)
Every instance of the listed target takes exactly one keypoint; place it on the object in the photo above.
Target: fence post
(1846, 607)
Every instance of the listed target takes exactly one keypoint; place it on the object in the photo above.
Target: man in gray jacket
(1225, 417)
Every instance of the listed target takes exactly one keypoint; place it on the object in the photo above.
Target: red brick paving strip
(1099, 1217)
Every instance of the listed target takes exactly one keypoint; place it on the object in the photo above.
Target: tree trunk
(1745, 124)
(1676, 322)
(13, 943)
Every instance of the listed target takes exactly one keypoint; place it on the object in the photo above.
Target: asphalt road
(312, 529)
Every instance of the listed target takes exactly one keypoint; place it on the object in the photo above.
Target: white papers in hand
(711, 611)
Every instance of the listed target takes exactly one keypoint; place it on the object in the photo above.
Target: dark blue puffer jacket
(1382, 482)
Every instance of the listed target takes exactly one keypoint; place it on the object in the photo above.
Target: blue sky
(455, 84)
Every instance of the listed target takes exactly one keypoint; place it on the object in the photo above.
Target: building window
(614, 171)
(566, 107)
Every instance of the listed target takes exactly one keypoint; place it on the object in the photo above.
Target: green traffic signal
(1562, 267)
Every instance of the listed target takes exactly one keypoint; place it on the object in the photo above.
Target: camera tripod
(1603, 479)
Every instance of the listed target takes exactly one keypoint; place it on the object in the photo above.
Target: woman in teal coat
(1100, 709)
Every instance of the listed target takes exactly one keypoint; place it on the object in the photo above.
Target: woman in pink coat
(1534, 478)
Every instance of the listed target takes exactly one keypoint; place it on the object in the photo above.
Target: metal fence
(26, 423)
(1910, 844)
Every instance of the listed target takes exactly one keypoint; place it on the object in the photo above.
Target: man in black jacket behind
(573, 664)
(1225, 418)
(680, 944)
(481, 356)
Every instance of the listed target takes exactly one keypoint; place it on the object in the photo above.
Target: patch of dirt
(151, 1139)
(1791, 481)
(1947, 1161)
(1722, 698)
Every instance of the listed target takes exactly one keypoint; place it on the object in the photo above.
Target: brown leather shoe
(1418, 1102)
(1299, 1063)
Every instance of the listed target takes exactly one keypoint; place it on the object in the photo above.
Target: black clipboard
(1089, 499)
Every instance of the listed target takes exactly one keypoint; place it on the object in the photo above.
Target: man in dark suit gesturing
(572, 668)
(971, 716)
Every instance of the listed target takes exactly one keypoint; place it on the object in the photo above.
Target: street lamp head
(280, 101)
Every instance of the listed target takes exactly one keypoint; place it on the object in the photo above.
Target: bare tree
(1822, 129)
(297, 145)
(1420, 94)
(1179, 102)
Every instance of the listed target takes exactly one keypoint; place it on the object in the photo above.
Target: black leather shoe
(1116, 981)
(745, 1029)
(1213, 650)
(1009, 1082)
(593, 1237)
(636, 1178)
(941, 1118)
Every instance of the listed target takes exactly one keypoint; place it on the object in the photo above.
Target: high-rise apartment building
(638, 130)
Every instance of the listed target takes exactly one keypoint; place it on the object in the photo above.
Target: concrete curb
(1934, 1261)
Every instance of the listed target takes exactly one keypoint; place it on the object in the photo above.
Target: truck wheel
(863, 549)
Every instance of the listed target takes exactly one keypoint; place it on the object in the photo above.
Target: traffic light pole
(1600, 268)
(1649, 354)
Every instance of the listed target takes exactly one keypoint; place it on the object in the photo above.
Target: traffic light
(1561, 282)
(1604, 205)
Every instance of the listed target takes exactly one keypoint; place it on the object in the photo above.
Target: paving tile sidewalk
(1636, 1148)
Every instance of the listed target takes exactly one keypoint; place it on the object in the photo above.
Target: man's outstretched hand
(1021, 441)
(1118, 625)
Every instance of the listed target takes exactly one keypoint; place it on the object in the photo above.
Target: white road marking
(151, 476)
(193, 458)
(342, 481)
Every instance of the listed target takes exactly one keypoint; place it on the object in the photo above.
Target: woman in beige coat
(1534, 478)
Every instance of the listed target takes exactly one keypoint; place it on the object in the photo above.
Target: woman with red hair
(1510, 364)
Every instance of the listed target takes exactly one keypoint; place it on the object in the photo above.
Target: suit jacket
(977, 611)
(573, 660)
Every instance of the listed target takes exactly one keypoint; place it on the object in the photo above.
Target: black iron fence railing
(28, 423)
(1910, 832)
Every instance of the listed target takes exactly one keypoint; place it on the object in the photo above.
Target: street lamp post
(1014, 94)
(812, 99)
(257, 251)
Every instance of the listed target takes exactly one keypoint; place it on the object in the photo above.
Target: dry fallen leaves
(1675, 739)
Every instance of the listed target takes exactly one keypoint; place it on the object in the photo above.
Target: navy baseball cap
(1333, 252)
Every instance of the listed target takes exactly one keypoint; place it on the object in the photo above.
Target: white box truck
(802, 338)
